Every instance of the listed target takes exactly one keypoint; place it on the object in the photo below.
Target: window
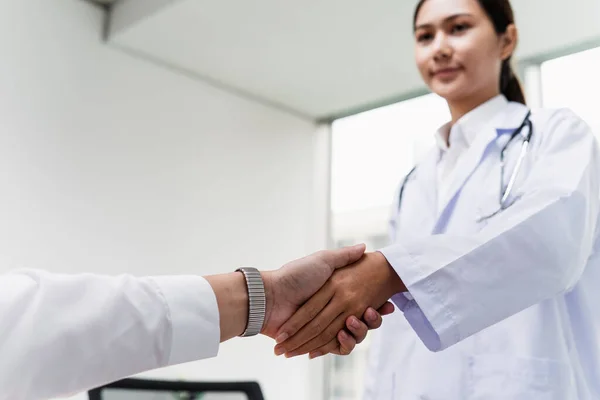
(572, 81)
(372, 152)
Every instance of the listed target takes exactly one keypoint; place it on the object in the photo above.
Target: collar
(465, 130)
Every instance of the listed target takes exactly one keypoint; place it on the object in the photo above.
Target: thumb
(344, 256)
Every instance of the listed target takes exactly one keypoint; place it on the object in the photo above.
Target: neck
(460, 108)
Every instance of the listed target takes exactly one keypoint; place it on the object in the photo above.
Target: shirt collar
(464, 131)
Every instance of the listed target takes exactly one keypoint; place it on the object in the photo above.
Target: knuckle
(347, 297)
(335, 281)
(359, 308)
(338, 280)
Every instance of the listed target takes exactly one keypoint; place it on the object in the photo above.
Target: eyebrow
(422, 26)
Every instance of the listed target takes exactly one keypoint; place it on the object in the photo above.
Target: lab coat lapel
(505, 122)
(468, 163)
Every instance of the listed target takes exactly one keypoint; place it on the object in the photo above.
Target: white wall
(109, 164)
(549, 26)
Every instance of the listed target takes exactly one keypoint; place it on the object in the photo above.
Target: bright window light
(573, 81)
(372, 151)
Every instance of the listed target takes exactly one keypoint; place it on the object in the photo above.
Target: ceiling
(318, 59)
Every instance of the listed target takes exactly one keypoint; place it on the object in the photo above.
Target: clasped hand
(346, 296)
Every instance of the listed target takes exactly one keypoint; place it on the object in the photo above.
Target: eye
(459, 28)
(424, 37)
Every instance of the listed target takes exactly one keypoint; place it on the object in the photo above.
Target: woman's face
(457, 50)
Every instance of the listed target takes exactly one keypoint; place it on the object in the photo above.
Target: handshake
(316, 305)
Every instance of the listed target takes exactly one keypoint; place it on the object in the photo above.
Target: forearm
(232, 300)
(460, 285)
(67, 333)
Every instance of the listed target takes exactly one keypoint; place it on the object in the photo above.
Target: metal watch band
(256, 299)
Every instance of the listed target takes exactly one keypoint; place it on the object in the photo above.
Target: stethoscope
(505, 192)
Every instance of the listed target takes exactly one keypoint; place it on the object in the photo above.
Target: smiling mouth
(446, 73)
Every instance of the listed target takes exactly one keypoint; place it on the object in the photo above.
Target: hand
(345, 343)
(292, 285)
(350, 291)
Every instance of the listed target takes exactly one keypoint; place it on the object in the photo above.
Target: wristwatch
(257, 301)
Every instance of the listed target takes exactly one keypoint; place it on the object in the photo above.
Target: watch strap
(256, 301)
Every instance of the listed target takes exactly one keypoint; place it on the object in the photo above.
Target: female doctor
(495, 235)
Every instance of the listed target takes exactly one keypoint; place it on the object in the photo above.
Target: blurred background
(194, 136)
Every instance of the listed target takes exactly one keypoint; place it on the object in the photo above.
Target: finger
(330, 348)
(343, 345)
(372, 318)
(386, 309)
(339, 258)
(347, 344)
(312, 329)
(320, 340)
(307, 313)
(357, 328)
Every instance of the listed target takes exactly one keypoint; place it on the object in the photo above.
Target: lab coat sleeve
(63, 334)
(534, 250)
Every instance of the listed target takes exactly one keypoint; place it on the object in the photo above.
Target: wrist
(394, 284)
(268, 278)
(232, 301)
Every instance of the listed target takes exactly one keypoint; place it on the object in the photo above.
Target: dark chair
(176, 389)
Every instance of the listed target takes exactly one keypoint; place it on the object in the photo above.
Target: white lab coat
(62, 334)
(504, 308)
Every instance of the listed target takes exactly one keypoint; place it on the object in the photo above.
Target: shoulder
(560, 125)
(554, 118)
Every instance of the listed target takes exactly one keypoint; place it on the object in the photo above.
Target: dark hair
(501, 14)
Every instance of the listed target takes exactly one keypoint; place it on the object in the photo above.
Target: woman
(494, 232)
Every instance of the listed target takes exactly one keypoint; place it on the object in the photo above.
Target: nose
(442, 48)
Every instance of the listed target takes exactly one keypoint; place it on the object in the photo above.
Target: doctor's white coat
(506, 307)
